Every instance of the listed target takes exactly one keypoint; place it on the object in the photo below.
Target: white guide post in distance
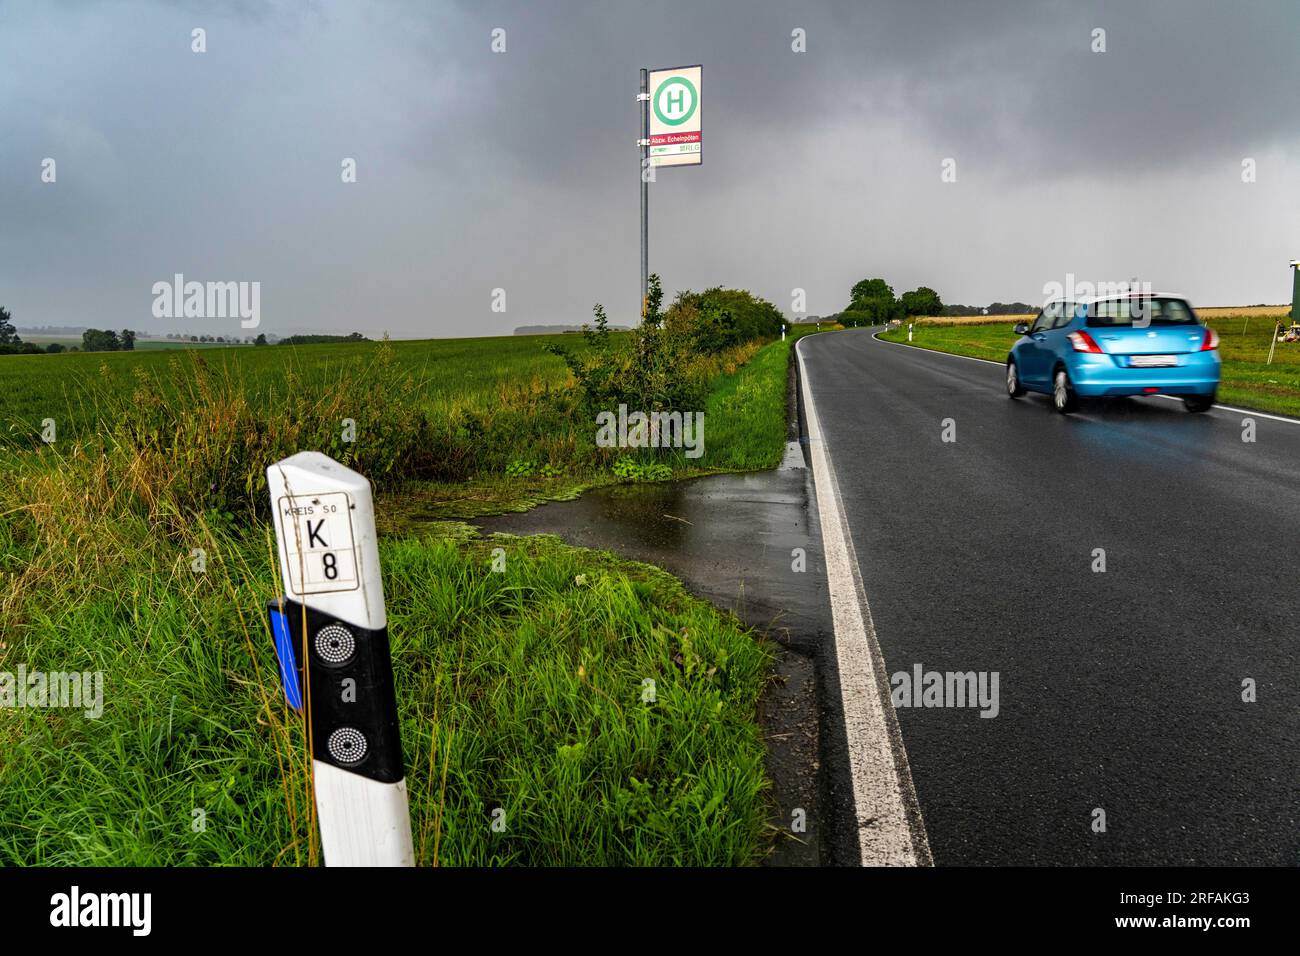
(331, 636)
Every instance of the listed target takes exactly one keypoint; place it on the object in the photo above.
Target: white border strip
(1169, 398)
(880, 774)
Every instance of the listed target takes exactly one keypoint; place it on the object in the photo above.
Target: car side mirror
(1021, 329)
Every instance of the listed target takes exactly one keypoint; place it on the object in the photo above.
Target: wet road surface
(1120, 691)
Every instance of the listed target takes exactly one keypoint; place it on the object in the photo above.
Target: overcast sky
(518, 170)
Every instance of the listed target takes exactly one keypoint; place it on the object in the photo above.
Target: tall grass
(520, 690)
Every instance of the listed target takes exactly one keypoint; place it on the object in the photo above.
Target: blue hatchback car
(1140, 344)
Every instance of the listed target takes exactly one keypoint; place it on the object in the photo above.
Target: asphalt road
(1118, 690)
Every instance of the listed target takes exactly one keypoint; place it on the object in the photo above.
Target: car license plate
(1152, 361)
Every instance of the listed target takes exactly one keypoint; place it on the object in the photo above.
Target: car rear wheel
(1199, 403)
(1014, 388)
(1063, 396)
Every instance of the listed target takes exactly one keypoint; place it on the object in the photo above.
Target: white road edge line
(882, 780)
(1169, 398)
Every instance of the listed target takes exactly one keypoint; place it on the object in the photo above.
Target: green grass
(519, 690)
(77, 388)
(745, 415)
(1247, 380)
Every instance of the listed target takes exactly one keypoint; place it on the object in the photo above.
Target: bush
(718, 319)
(629, 469)
(655, 371)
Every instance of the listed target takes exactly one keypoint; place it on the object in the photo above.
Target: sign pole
(644, 142)
(670, 136)
(331, 636)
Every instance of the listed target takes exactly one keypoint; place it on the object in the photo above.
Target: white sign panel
(317, 535)
(675, 116)
(325, 526)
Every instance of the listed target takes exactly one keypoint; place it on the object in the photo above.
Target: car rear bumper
(1099, 375)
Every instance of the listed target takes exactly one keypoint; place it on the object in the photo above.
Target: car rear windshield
(1123, 311)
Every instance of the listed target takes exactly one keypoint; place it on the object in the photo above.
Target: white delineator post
(329, 565)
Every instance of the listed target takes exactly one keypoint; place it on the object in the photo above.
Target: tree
(8, 334)
(261, 339)
(922, 301)
(128, 340)
(97, 340)
(874, 299)
(871, 289)
(1010, 308)
(54, 348)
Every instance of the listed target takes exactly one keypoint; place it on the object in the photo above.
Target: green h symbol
(676, 100)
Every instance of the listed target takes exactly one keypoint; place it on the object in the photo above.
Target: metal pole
(645, 189)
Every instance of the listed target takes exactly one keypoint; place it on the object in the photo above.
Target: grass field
(1247, 381)
(79, 388)
(520, 690)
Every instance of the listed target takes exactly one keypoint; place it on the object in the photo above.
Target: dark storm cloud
(518, 170)
(1015, 83)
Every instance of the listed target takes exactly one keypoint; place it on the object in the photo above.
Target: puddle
(735, 541)
(731, 538)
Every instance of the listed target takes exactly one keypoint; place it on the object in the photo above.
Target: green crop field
(79, 387)
(520, 690)
(1248, 380)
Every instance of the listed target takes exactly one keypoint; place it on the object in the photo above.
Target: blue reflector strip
(288, 665)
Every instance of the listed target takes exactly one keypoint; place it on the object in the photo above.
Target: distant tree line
(319, 339)
(107, 340)
(218, 339)
(994, 308)
(11, 344)
(872, 302)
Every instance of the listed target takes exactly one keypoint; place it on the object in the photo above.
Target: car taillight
(1211, 340)
(1082, 342)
